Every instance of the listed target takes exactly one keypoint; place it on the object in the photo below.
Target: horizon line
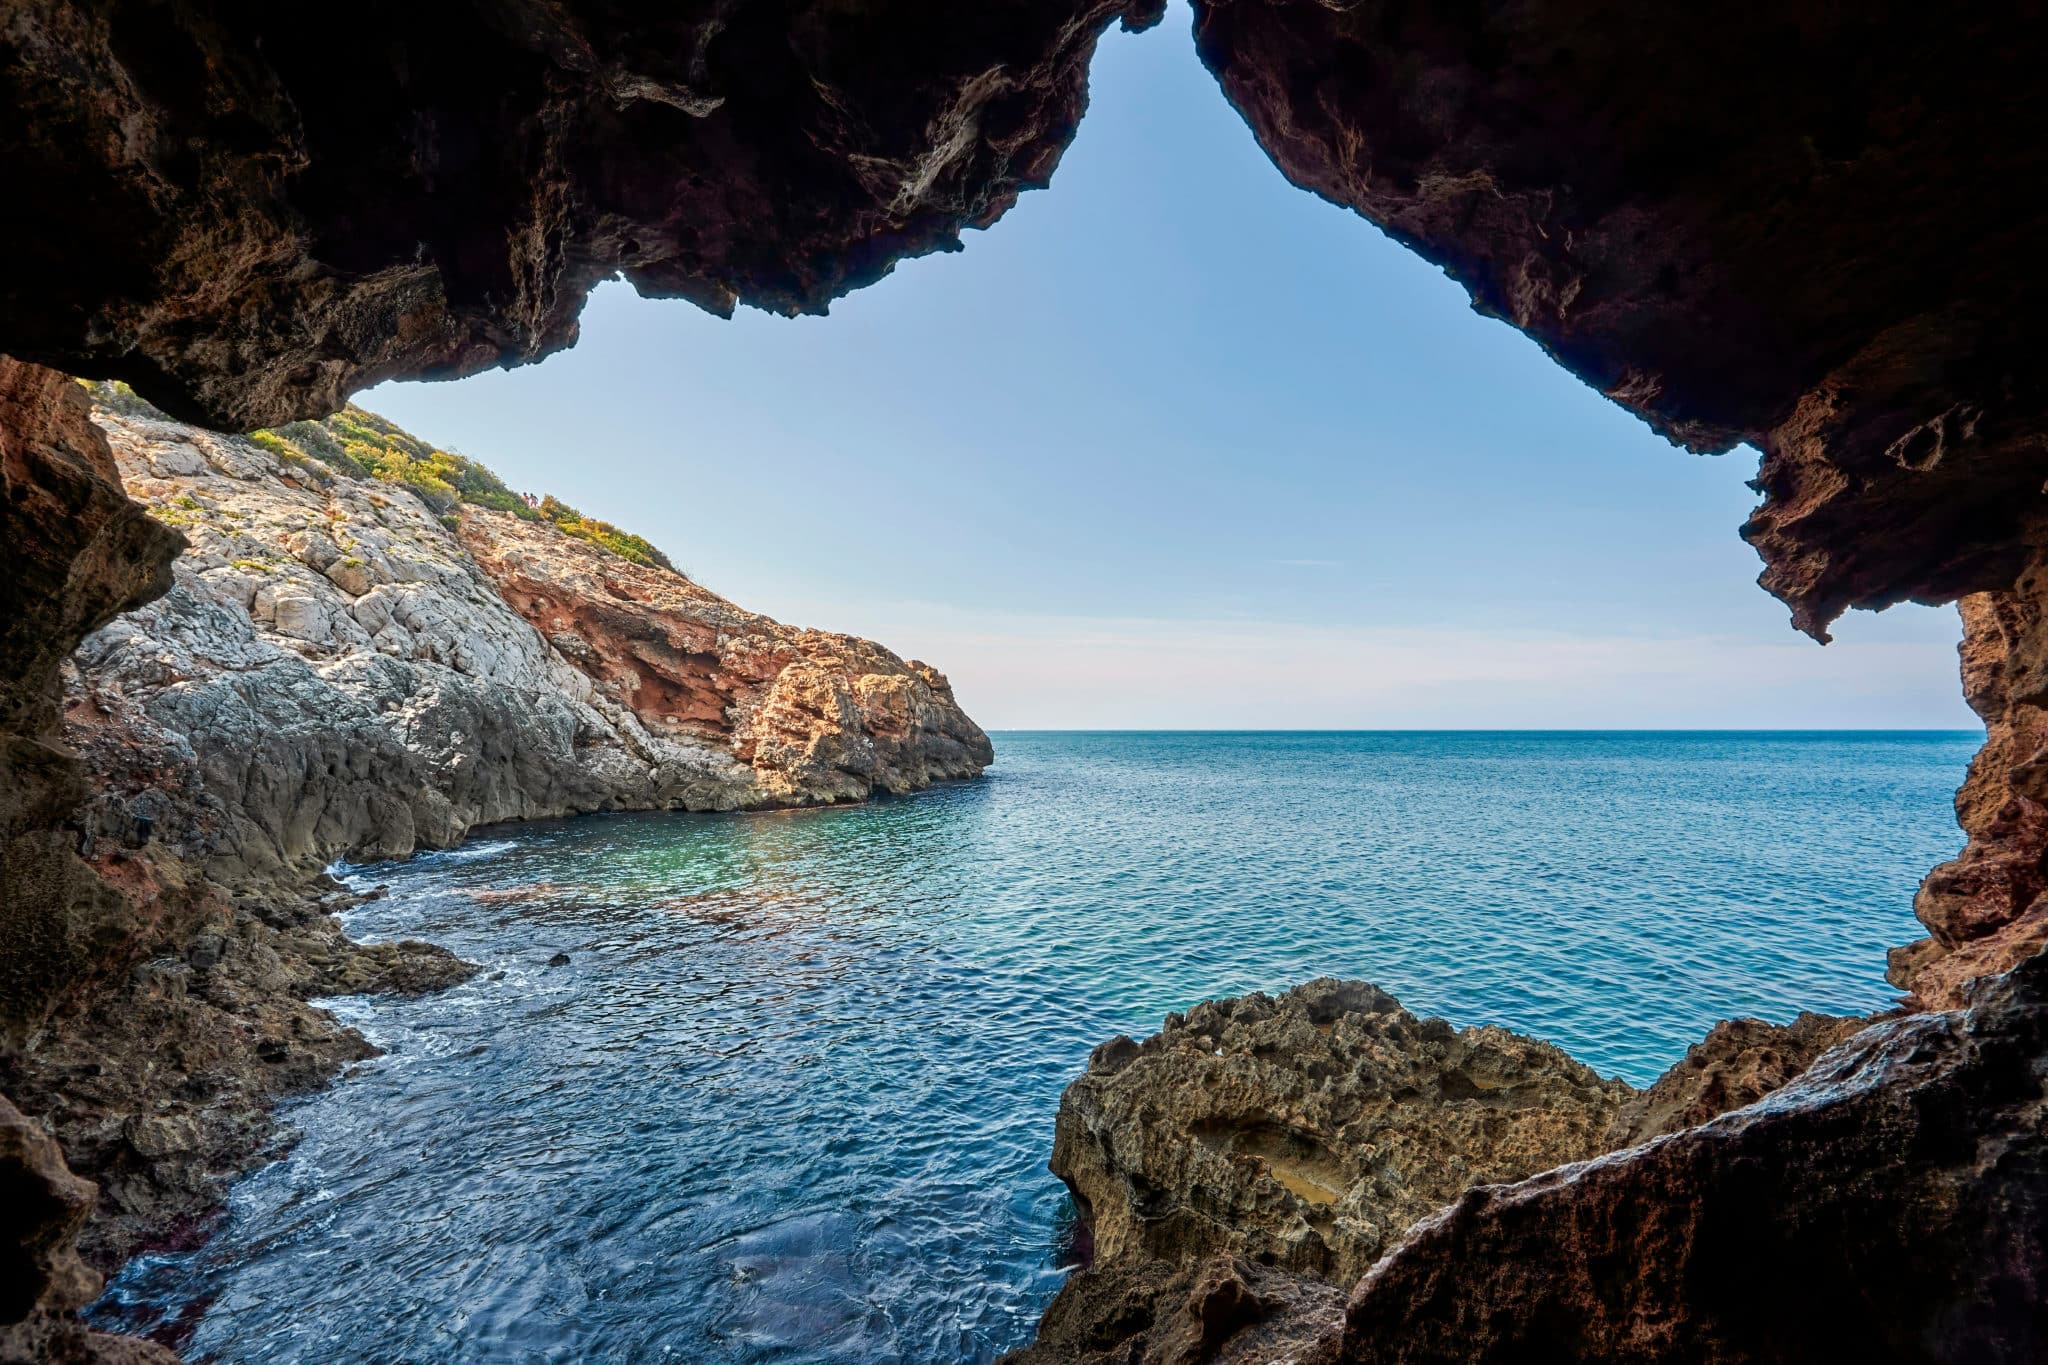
(1481, 730)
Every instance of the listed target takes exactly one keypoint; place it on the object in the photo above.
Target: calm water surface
(792, 1097)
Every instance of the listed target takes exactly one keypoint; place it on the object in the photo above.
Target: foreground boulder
(1882, 1194)
(1236, 1167)
(1891, 1204)
(1239, 1170)
(1307, 1130)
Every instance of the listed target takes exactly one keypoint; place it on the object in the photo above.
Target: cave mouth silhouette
(1809, 228)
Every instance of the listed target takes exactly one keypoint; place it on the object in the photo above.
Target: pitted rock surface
(1243, 1167)
(1890, 1204)
(1738, 1063)
(1309, 1129)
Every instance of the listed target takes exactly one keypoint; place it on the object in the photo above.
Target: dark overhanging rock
(250, 211)
(1814, 228)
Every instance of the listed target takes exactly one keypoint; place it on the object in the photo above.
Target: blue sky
(1177, 444)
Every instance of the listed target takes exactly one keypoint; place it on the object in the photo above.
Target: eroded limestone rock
(1242, 1168)
(1987, 909)
(1891, 1204)
(1738, 1063)
(1301, 1134)
(814, 715)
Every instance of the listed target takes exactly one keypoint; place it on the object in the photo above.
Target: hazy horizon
(1179, 446)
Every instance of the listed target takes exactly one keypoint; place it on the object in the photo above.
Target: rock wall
(809, 715)
(77, 551)
(1987, 910)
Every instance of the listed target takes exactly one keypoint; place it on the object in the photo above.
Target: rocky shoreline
(1240, 1170)
(340, 670)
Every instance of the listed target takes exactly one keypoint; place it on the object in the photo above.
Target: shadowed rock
(1891, 1204)
(252, 210)
(42, 1280)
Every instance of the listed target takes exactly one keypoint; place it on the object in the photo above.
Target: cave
(1809, 228)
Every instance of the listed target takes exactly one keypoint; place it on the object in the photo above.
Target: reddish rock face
(1988, 909)
(818, 716)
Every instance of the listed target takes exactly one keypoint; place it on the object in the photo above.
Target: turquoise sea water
(792, 1096)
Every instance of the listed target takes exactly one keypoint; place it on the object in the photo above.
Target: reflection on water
(791, 1097)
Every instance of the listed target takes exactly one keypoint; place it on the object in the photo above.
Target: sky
(1177, 445)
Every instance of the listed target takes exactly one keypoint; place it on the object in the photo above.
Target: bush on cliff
(361, 445)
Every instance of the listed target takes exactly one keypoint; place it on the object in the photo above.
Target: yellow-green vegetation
(362, 445)
(252, 565)
(365, 446)
(115, 396)
(624, 544)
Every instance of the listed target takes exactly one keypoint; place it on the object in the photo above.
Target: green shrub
(624, 544)
(118, 398)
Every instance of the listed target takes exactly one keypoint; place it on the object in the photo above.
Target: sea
(791, 1094)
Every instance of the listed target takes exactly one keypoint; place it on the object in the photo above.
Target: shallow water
(792, 1096)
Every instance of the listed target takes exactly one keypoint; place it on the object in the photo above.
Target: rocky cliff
(337, 670)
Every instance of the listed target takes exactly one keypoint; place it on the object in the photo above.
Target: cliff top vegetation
(358, 444)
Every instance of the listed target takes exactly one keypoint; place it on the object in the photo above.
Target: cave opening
(1688, 256)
